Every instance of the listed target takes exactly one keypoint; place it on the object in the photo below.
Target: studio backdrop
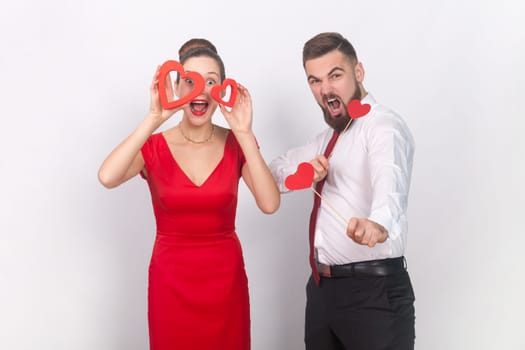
(74, 81)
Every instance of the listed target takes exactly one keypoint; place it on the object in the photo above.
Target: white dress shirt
(368, 176)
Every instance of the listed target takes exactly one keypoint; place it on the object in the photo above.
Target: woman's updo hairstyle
(198, 47)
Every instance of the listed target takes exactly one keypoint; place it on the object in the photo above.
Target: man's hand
(320, 165)
(366, 232)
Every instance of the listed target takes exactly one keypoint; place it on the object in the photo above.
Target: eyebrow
(215, 73)
(330, 72)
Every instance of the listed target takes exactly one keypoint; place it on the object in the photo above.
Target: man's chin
(337, 122)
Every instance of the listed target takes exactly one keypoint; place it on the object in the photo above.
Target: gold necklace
(195, 141)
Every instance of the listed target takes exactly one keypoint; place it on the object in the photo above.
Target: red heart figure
(170, 66)
(303, 178)
(357, 110)
(216, 92)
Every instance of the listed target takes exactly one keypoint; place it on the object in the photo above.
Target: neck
(199, 134)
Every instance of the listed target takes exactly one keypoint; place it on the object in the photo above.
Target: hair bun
(196, 43)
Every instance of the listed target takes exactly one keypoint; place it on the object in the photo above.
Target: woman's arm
(126, 160)
(255, 172)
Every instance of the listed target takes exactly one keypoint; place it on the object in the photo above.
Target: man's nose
(326, 88)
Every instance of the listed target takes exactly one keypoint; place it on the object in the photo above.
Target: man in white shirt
(360, 295)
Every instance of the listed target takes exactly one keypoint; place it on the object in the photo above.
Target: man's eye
(314, 81)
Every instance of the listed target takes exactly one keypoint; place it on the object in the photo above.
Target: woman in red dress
(198, 290)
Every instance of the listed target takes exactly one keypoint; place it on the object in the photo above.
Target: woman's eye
(211, 82)
(188, 81)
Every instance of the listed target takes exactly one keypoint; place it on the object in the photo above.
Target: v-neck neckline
(184, 172)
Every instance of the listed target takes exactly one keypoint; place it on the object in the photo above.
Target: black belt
(383, 267)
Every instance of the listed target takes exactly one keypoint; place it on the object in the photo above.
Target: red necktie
(317, 203)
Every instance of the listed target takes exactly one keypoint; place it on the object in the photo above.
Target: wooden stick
(330, 206)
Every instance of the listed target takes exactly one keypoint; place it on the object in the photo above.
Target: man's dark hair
(323, 43)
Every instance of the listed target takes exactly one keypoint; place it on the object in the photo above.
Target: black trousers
(360, 313)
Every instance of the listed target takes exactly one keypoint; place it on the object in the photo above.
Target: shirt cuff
(384, 218)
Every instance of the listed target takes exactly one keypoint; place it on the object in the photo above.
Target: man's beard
(340, 122)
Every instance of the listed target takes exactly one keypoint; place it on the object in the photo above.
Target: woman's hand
(239, 118)
(155, 108)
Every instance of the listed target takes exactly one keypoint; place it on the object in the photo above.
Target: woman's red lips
(199, 107)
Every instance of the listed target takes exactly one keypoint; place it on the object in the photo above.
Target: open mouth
(199, 107)
(334, 106)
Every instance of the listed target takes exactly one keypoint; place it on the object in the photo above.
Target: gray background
(74, 78)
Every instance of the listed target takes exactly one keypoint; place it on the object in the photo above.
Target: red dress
(198, 290)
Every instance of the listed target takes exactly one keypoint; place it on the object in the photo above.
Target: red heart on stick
(216, 92)
(303, 177)
(357, 110)
(170, 66)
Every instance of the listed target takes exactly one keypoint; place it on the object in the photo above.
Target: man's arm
(390, 150)
(287, 163)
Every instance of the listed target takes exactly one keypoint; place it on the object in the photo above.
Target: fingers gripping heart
(302, 178)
